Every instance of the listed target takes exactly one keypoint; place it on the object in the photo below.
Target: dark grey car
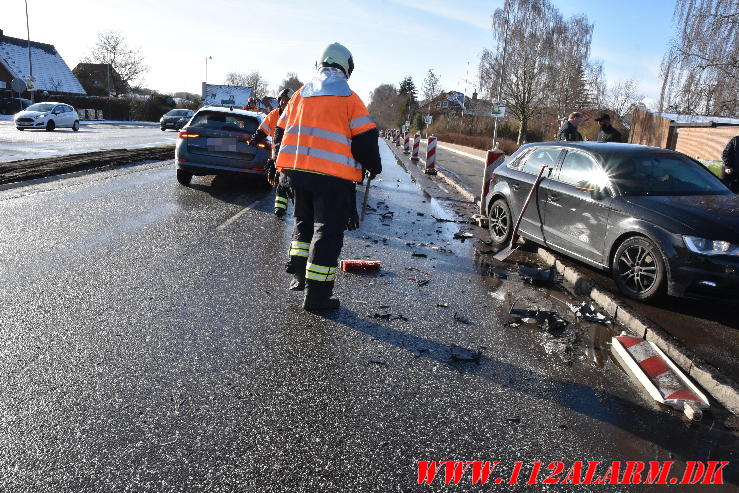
(214, 142)
(175, 119)
(657, 219)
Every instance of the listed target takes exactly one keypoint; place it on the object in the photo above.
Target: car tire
(76, 126)
(162, 128)
(21, 129)
(184, 177)
(639, 269)
(500, 223)
(50, 126)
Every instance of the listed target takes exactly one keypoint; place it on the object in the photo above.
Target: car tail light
(264, 145)
(185, 134)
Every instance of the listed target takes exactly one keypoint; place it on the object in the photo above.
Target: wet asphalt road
(149, 344)
(31, 144)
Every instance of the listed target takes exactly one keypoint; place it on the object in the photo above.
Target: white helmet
(338, 56)
(285, 94)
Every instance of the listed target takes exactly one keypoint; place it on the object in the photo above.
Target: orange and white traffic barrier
(406, 143)
(430, 156)
(493, 159)
(416, 145)
(662, 379)
(397, 138)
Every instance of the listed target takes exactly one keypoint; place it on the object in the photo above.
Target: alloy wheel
(499, 222)
(637, 268)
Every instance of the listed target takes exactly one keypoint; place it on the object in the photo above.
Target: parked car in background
(657, 219)
(175, 119)
(48, 116)
(214, 142)
(10, 106)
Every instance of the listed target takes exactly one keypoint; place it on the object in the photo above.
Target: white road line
(236, 216)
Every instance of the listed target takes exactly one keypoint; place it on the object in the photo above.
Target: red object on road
(430, 156)
(416, 143)
(360, 266)
(493, 159)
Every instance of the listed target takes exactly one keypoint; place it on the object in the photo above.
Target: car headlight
(40, 116)
(710, 247)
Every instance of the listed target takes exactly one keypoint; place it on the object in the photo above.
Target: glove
(352, 222)
(272, 174)
(369, 174)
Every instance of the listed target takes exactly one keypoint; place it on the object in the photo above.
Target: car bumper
(202, 169)
(34, 124)
(704, 276)
(174, 125)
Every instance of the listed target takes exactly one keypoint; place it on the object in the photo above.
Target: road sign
(498, 109)
(30, 83)
(428, 119)
(18, 85)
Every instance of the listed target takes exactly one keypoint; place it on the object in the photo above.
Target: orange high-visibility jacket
(270, 122)
(319, 130)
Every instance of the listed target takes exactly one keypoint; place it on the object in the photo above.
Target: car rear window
(661, 174)
(225, 121)
(177, 113)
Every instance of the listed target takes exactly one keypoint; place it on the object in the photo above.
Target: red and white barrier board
(416, 145)
(493, 159)
(406, 143)
(662, 379)
(430, 156)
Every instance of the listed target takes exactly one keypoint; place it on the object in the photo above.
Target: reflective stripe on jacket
(270, 122)
(318, 134)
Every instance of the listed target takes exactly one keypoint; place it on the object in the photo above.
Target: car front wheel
(76, 126)
(50, 126)
(500, 224)
(184, 177)
(638, 269)
(21, 129)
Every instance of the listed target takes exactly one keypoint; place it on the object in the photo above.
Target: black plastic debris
(549, 321)
(514, 419)
(534, 275)
(382, 316)
(387, 215)
(419, 255)
(589, 313)
(420, 214)
(463, 235)
(462, 319)
(422, 282)
(443, 305)
(460, 353)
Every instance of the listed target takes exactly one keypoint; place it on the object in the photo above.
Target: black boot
(296, 267)
(279, 212)
(318, 296)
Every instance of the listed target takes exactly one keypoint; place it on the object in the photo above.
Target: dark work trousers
(320, 220)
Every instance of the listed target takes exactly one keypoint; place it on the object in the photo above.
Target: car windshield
(225, 121)
(177, 113)
(661, 174)
(41, 107)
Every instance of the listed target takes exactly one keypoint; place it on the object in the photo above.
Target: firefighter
(267, 129)
(329, 143)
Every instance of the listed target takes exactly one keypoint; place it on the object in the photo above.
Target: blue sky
(389, 38)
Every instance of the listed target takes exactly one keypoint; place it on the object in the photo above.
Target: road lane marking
(236, 216)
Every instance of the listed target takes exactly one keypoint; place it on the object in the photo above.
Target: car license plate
(222, 144)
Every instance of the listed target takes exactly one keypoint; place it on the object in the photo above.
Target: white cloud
(448, 10)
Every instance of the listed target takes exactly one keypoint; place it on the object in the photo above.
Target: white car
(47, 116)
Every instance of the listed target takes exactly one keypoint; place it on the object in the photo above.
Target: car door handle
(552, 197)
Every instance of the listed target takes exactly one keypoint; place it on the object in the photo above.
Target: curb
(721, 388)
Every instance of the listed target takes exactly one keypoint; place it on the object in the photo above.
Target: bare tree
(252, 79)
(596, 84)
(291, 81)
(385, 105)
(431, 86)
(622, 95)
(112, 48)
(700, 70)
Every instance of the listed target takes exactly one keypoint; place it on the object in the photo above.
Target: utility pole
(502, 72)
(206, 67)
(30, 62)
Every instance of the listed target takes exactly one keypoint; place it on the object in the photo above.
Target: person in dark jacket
(730, 169)
(607, 132)
(568, 130)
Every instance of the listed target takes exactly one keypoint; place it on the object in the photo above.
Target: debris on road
(514, 419)
(537, 274)
(442, 305)
(589, 313)
(458, 317)
(419, 255)
(547, 320)
(463, 235)
(460, 353)
(377, 361)
(658, 375)
(360, 266)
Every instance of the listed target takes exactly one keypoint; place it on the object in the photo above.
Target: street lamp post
(30, 62)
(206, 67)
